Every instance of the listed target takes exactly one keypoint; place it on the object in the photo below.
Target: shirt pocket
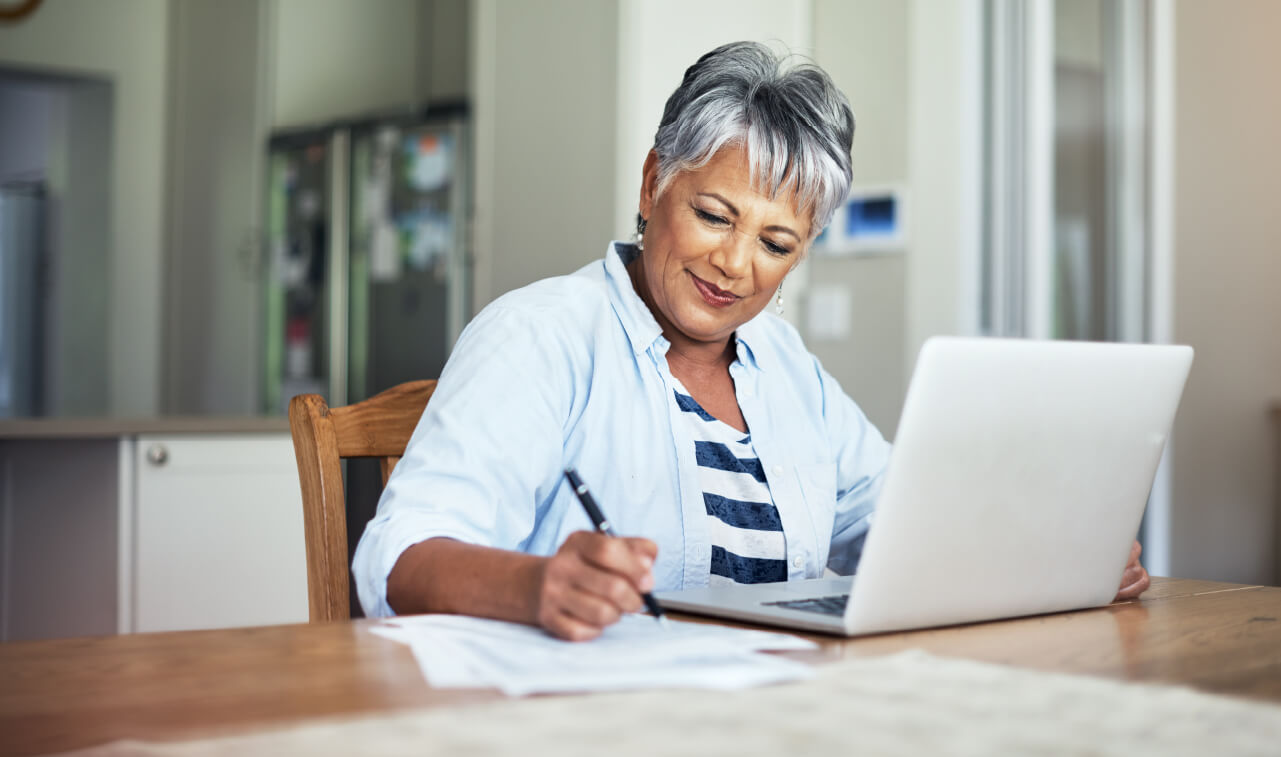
(818, 489)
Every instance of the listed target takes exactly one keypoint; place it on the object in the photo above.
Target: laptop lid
(1020, 473)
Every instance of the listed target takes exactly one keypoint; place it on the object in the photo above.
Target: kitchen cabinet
(118, 527)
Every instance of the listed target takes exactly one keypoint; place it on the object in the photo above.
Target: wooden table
(63, 694)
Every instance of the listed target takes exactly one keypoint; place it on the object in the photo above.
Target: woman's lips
(714, 295)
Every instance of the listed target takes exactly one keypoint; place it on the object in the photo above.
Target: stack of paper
(462, 652)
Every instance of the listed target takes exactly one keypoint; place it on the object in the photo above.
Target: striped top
(746, 534)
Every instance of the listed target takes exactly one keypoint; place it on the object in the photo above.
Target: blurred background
(206, 207)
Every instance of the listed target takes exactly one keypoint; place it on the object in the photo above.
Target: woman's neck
(698, 359)
(689, 354)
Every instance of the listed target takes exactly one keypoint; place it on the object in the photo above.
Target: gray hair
(796, 125)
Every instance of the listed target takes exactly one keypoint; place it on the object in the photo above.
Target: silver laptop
(1018, 479)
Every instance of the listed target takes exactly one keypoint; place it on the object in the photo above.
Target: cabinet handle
(157, 454)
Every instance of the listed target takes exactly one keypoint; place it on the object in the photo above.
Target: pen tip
(662, 622)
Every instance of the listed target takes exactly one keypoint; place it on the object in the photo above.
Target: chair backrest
(378, 427)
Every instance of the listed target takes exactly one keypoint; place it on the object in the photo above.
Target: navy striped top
(745, 531)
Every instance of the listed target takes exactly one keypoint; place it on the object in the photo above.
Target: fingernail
(647, 583)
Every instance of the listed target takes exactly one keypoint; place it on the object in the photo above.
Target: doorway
(55, 243)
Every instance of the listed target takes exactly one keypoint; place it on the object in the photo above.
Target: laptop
(1018, 479)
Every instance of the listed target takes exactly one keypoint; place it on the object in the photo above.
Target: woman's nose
(733, 256)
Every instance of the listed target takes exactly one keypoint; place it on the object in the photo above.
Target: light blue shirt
(572, 371)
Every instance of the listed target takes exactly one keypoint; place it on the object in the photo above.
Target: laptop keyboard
(834, 605)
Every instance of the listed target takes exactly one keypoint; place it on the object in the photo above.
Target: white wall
(214, 165)
(544, 79)
(82, 347)
(865, 45)
(1227, 287)
(334, 58)
(945, 151)
(912, 74)
(124, 41)
(442, 49)
(657, 41)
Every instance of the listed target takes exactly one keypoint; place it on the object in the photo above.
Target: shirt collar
(746, 335)
(638, 322)
(642, 330)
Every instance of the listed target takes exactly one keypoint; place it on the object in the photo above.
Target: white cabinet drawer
(218, 532)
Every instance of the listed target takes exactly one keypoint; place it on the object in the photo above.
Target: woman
(704, 428)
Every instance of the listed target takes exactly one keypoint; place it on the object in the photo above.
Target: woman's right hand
(591, 581)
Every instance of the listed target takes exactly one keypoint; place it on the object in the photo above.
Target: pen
(602, 525)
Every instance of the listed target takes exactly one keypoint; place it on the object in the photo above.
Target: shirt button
(747, 394)
(777, 470)
(798, 561)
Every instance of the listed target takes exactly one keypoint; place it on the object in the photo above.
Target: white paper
(455, 651)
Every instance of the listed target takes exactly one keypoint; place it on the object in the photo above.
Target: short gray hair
(796, 125)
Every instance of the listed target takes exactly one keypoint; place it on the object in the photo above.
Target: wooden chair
(378, 427)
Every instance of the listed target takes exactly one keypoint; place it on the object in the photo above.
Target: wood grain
(378, 427)
(381, 425)
(65, 694)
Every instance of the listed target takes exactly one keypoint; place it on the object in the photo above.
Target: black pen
(602, 525)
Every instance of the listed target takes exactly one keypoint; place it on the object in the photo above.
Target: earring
(778, 300)
(641, 223)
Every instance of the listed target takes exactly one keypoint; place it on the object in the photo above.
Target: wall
(945, 151)
(214, 176)
(543, 82)
(912, 74)
(124, 42)
(866, 47)
(334, 58)
(657, 41)
(85, 344)
(442, 50)
(1227, 259)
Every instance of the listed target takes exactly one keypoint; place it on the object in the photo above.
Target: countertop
(107, 427)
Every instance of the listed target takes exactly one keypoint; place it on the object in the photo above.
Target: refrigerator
(368, 279)
(23, 294)
(369, 267)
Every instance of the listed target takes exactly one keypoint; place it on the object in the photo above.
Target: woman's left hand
(1135, 579)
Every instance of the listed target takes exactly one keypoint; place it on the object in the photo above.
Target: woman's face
(716, 249)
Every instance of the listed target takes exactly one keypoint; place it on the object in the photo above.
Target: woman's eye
(710, 217)
(777, 249)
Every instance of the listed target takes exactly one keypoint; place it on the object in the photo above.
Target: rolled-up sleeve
(478, 462)
(862, 456)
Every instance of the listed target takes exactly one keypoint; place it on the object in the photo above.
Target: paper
(455, 651)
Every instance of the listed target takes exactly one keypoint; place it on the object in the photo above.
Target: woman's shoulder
(565, 299)
(562, 310)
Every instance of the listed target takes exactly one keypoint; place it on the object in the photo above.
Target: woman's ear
(649, 182)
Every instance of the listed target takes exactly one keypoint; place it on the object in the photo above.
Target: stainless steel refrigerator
(369, 272)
